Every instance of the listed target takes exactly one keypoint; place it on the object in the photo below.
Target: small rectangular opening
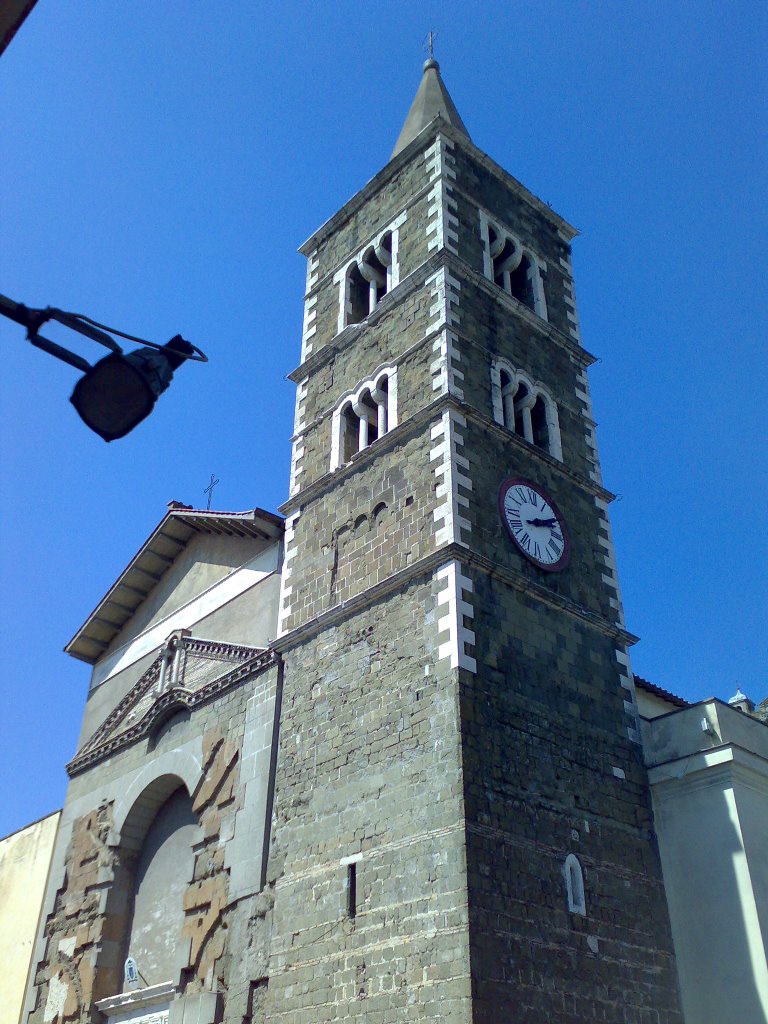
(351, 890)
(257, 991)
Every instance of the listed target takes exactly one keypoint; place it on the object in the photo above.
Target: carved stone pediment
(145, 1006)
(186, 673)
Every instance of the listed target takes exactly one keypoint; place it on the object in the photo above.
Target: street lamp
(118, 392)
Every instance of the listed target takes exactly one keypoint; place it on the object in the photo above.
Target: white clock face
(535, 524)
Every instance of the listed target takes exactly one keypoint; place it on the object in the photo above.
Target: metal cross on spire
(209, 490)
(429, 39)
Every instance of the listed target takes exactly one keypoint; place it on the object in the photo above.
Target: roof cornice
(153, 559)
(437, 126)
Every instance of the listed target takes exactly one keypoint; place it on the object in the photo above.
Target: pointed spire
(431, 99)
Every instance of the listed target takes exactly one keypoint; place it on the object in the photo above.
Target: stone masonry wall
(370, 773)
(493, 456)
(529, 711)
(66, 978)
(478, 187)
(377, 523)
(549, 771)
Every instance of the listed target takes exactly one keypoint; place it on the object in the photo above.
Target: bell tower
(462, 826)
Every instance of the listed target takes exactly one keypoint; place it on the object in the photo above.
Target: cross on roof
(209, 490)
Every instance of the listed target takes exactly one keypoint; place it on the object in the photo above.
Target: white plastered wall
(710, 800)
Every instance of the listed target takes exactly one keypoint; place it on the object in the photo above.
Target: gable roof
(180, 525)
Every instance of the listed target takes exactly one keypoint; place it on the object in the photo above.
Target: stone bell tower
(462, 829)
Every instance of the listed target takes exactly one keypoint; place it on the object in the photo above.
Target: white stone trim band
(286, 589)
(451, 470)
(454, 607)
(442, 221)
(443, 315)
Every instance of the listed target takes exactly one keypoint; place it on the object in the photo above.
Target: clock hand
(551, 523)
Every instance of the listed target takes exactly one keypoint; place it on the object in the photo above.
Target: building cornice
(721, 764)
(178, 527)
(142, 999)
(438, 126)
(415, 280)
(408, 428)
(425, 567)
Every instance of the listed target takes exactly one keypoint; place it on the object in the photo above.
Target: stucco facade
(25, 859)
(708, 769)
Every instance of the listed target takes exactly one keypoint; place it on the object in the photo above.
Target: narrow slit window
(574, 884)
(351, 890)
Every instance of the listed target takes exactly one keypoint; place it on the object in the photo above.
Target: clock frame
(535, 496)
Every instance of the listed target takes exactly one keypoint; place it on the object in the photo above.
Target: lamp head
(119, 391)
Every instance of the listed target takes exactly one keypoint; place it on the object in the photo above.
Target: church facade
(380, 759)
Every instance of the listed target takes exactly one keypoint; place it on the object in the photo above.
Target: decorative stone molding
(310, 305)
(144, 1006)
(606, 552)
(196, 678)
(585, 402)
(298, 450)
(627, 681)
(569, 292)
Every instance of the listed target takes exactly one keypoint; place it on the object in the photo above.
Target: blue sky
(161, 162)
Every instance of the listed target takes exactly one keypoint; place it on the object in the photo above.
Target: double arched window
(512, 266)
(368, 276)
(364, 416)
(525, 407)
(368, 279)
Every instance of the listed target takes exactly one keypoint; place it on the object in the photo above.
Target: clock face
(535, 524)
